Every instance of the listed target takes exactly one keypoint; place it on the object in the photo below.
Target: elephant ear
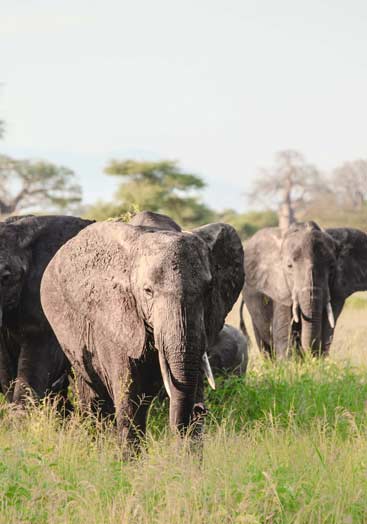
(94, 269)
(351, 270)
(263, 266)
(227, 269)
(28, 229)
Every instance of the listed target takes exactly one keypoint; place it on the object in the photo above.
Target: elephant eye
(5, 277)
(148, 291)
(290, 265)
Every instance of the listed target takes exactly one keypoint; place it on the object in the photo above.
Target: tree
(350, 184)
(27, 184)
(156, 186)
(103, 210)
(290, 184)
(346, 201)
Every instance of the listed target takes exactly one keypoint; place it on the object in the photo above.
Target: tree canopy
(160, 186)
(30, 184)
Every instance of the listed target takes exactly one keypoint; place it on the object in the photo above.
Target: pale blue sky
(219, 85)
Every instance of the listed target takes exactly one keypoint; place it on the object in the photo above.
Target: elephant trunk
(311, 303)
(180, 340)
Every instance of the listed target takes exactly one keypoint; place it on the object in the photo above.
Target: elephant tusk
(208, 371)
(164, 372)
(295, 312)
(330, 315)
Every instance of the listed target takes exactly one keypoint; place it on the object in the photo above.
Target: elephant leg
(327, 330)
(281, 327)
(295, 340)
(85, 396)
(59, 370)
(42, 369)
(8, 358)
(143, 383)
(131, 410)
(262, 344)
(32, 375)
(260, 308)
(89, 401)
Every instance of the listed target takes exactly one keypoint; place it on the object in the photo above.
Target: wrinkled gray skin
(30, 357)
(229, 352)
(119, 296)
(291, 278)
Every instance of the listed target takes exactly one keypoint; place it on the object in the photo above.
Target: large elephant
(297, 282)
(30, 357)
(131, 304)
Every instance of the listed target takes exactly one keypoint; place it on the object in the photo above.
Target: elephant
(31, 360)
(229, 352)
(133, 305)
(156, 220)
(297, 281)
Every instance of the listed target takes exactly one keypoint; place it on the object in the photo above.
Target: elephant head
(183, 286)
(16, 238)
(136, 283)
(311, 270)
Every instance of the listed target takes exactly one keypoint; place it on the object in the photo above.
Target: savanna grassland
(286, 445)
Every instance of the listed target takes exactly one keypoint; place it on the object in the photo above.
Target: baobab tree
(289, 185)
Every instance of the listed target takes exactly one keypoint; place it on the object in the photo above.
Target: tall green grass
(302, 391)
(286, 445)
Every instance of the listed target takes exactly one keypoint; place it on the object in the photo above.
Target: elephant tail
(242, 322)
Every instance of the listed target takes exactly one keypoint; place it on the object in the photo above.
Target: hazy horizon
(219, 86)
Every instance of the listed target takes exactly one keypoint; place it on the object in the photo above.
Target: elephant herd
(133, 306)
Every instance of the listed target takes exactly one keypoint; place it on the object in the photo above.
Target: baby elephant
(229, 353)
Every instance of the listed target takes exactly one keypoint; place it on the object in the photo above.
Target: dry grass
(350, 339)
